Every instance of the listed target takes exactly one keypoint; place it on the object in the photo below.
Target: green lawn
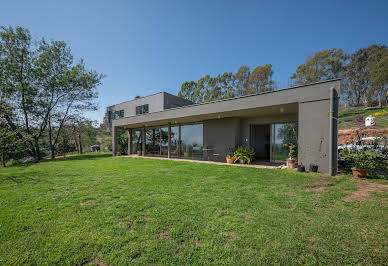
(99, 209)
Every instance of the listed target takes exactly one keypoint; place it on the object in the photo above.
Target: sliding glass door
(282, 135)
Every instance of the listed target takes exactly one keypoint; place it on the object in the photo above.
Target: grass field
(102, 210)
(355, 117)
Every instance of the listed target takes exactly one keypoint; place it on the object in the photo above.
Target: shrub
(230, 152)
(244, 154)
(369, 160)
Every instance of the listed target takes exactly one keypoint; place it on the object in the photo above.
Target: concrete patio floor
(255, 164)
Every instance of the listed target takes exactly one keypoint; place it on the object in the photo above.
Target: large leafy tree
(358, 82)
(260, 80)
(40, 87)
(188, 90)
(323, 65)
(241, 80)
(379, 74)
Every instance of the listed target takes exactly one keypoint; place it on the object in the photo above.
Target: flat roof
(307, 92)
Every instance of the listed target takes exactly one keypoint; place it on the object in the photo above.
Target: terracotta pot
(291, 160)
(359, 173)
(230, 160)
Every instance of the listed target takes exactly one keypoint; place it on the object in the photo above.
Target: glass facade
(192, 141)
(136, 141)
(186, 141)
(282, 135)
(175, 147)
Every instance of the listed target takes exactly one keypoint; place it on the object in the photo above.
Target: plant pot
(359, 173)
(291, 160)
(301, 168)
(118, 153)
(230, 160)
(313, 168)
(138, 153)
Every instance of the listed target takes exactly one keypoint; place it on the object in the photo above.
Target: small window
(142, 109)
(118, 114)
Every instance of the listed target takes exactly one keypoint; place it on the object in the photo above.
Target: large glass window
(136, 141)
(192, 141)
(153, 141)
(186, 141)
(282, 136)
(175, 147)
(164, 141)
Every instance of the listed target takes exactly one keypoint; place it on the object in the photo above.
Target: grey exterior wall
(156, 103)
(314, 134)
(172, 101)
(221, 134)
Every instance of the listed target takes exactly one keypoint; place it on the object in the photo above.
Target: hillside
(351, 124)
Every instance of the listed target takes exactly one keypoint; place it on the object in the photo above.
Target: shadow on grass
(22, 178)
(79, 157)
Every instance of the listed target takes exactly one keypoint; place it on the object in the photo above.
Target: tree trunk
(380, 100)
(52, 148)
(36, 151)
(80, 143)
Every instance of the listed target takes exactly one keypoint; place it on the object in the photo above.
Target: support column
(129, 141)
(114, 141)
(333, 139)
(143, 142)
(169, 141)
(179, 142)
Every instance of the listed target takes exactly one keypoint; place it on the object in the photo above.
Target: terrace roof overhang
(283, 101)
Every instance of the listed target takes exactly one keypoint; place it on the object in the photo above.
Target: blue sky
(149, 46)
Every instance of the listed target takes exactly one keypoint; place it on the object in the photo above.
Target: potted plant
(291, 155)
(313, 167)
(229, 155)
(244, 155)
(364, 161)
(138, 153)
(301, 168)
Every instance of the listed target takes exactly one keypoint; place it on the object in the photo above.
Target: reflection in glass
(136, 140)
(186, 141)
(282, 136)
(192, 141)
(175, 141)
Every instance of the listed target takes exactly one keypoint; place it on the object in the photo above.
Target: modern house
(166, 125)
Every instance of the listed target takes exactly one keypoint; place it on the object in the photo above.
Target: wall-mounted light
(281, 109)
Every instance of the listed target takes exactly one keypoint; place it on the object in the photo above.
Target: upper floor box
(143, 105)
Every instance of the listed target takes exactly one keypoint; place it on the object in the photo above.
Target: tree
(79, 87)
(20, 103)
(40, 87)
(358, 85)
(323, 65)
(241, 80)
(10, 147)
(188, 90)
(379, 74)
(260, 80)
